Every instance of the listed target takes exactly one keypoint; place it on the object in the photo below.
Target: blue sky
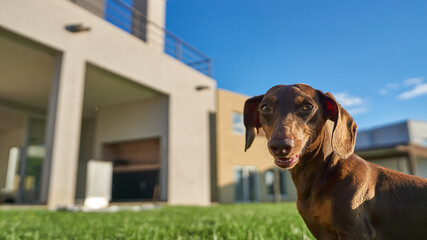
(372, 55)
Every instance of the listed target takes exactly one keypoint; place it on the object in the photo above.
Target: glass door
(31, 161)
(246, 184)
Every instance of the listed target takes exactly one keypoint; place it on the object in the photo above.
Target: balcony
(135, 22)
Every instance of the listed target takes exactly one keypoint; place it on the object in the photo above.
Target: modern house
(244, 176)
(101, 80)
(400, 146)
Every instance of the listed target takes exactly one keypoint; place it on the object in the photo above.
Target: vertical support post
(63, 173)
(209, 62)
(276, 186)
(412, 162)
(178, 49)
(155, 26)
(186, 186)
(50, 130)
(23, 164)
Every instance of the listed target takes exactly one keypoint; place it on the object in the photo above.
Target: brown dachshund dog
(340, 195)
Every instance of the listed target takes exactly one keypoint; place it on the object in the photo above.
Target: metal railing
(136, 23)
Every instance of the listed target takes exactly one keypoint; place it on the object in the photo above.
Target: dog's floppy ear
(251, 119)
(345, 129)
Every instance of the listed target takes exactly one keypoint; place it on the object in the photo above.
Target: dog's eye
(265, 108)
(307, 107)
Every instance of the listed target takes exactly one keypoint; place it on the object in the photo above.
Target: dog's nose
(281, 146)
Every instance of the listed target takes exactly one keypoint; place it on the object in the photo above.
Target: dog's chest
(318, 212)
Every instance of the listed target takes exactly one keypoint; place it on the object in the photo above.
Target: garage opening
(136, 169)
(125, 123)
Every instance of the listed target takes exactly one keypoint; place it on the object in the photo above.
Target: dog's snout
(281, 146)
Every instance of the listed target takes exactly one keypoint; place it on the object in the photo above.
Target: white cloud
(417, 84)
(348, 100)
(392, 86)
(413, 81)
(357, 110)
(353, 104)
(419, 90)
(389, 88)
(383, 91)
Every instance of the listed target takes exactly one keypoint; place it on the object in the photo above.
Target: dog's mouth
(286, 162)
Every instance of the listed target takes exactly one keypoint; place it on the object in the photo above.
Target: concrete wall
(418, 132)
(117, 51)
(136, 120)
(230, 151)
(156, 12)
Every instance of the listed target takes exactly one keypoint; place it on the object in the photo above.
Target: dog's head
(293, 117)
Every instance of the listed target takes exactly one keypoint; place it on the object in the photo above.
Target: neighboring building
(243, 176)
(96, 79)
(400, 146)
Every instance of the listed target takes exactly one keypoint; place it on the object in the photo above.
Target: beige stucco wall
(156, 11)
(156, 14)
(231, 153)
(115, 50)
(417, 131)
(135, 120)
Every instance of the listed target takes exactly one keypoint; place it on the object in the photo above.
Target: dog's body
(340, 195)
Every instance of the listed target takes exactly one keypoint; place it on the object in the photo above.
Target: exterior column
(63, 172)
(412, 162)
(156, 23)
(50, 131)
(189, 146)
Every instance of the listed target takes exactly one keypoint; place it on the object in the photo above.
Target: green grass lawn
(241, 221)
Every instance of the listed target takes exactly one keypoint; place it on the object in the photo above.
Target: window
(246, 185)
(269, 181)
(238, 126)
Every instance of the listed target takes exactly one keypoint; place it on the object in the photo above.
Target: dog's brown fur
(340, 195)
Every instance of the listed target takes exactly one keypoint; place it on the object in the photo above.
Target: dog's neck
(315, 164)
